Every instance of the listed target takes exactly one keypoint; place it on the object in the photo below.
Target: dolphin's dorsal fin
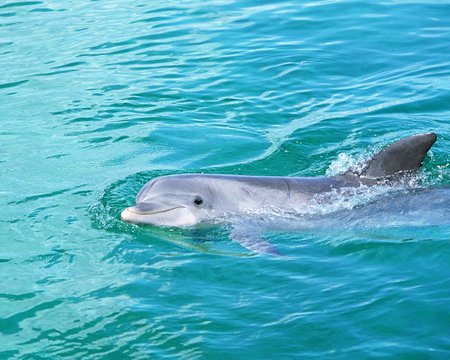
(403, 156)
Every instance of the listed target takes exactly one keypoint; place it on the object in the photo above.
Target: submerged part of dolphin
(190, 199)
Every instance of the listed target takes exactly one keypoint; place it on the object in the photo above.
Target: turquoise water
(98, 97)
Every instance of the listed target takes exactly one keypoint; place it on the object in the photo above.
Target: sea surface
(98, 97)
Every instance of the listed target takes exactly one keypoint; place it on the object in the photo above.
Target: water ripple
(100, 96)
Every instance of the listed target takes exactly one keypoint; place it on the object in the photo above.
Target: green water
(97, 97)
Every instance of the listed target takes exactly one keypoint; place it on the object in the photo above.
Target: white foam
(345, 162)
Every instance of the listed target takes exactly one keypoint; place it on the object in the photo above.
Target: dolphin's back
(283, 184)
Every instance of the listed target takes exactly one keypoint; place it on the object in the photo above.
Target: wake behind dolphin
(190, 199)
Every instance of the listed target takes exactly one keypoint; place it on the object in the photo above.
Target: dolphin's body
(190, 199)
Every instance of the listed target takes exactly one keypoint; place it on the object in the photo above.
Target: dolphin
(187, 200)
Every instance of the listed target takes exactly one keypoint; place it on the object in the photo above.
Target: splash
(345, 162)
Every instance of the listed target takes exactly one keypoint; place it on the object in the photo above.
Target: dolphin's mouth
(143, 213)
(157, 215)
(133, 210)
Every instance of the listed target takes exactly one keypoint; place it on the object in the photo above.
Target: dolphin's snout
(125, 215)
(139, 212)
(135, 211)
(130, 214)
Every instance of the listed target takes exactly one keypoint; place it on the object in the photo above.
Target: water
(97, 97)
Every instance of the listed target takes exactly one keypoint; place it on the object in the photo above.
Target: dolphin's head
(176, 200)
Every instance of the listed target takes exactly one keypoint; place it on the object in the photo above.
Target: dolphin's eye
(198, 201)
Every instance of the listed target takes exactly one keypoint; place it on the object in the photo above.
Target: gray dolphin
(190, 199)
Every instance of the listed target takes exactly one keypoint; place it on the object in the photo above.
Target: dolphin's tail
(402, 157)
